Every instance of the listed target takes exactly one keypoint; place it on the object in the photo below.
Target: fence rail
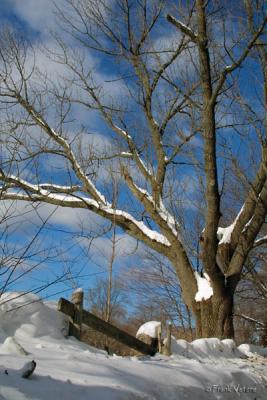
(79, 316)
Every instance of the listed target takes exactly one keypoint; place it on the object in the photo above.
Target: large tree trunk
(214, 317)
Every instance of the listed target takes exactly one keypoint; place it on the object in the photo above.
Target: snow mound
(11, 346)
(26, 315)
(206, 348)
(251, 350)
(68, 369)
(149, 328)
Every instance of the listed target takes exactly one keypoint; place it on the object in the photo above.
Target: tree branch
(159, 214)
(230, 68)
(247, 318)
(182, 27)
(212, 196)
(249, 234)
(129, 224)
(260, 241)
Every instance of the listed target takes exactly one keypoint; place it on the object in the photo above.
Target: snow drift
(25, 315)
(67, 369)
(202, 348)
(207, 348)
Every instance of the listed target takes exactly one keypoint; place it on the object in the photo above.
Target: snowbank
(27, 316)
(253, 350)
(70, 370)
(211, 348)
(11, 346)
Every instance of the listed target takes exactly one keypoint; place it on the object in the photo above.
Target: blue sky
(60, 257)
(61, 233)
(59, 238)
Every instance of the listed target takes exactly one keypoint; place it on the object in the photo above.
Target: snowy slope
(69, 370)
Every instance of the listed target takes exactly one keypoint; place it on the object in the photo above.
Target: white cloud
(38, 14)
(185, 64)
(25, 216)
(125, 247)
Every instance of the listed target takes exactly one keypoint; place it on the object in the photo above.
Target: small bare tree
(158, 294)
(251, 300)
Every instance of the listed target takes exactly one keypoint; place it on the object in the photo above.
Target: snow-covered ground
(70, 370)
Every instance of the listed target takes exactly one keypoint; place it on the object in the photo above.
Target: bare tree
(174, 94)
(22, 253)
(251, 298)
(97, 300)
(154, 284)
(112, 303)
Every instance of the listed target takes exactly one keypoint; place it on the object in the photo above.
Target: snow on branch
(65, 196)
(205, 290)
(182, 27)
(133, 151)
(224, 235)
(59, 188)
(13, 181)
(132, 226)
(159, 213)
(59, 139)
(247, 318)
(170, 220)
(260, 241)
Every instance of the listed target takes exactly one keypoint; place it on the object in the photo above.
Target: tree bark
(214, 317)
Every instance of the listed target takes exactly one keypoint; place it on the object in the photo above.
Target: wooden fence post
(168, 341)
(99, 325)
(159, 333)
(75, 325)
